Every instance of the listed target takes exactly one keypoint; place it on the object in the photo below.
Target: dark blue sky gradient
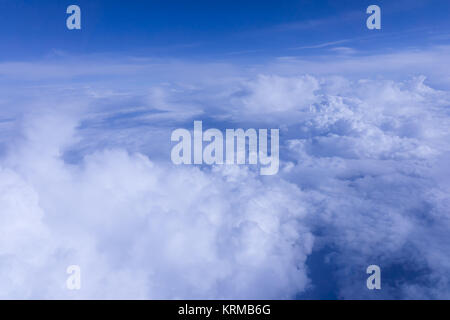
(216, 29)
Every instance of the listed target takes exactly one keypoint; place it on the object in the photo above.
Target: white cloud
(140, 229)
(364, 179)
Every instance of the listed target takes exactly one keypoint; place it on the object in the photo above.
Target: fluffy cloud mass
(145, 230)
(86, 179)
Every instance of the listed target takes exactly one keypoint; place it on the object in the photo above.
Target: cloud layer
(86, 179)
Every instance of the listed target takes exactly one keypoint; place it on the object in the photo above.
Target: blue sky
(86, 176)
(227, 30)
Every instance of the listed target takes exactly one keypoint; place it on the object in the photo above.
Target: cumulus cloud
(86, 178)
(367, 156)
(140, 229)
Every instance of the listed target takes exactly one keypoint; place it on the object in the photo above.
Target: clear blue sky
(216, 29)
